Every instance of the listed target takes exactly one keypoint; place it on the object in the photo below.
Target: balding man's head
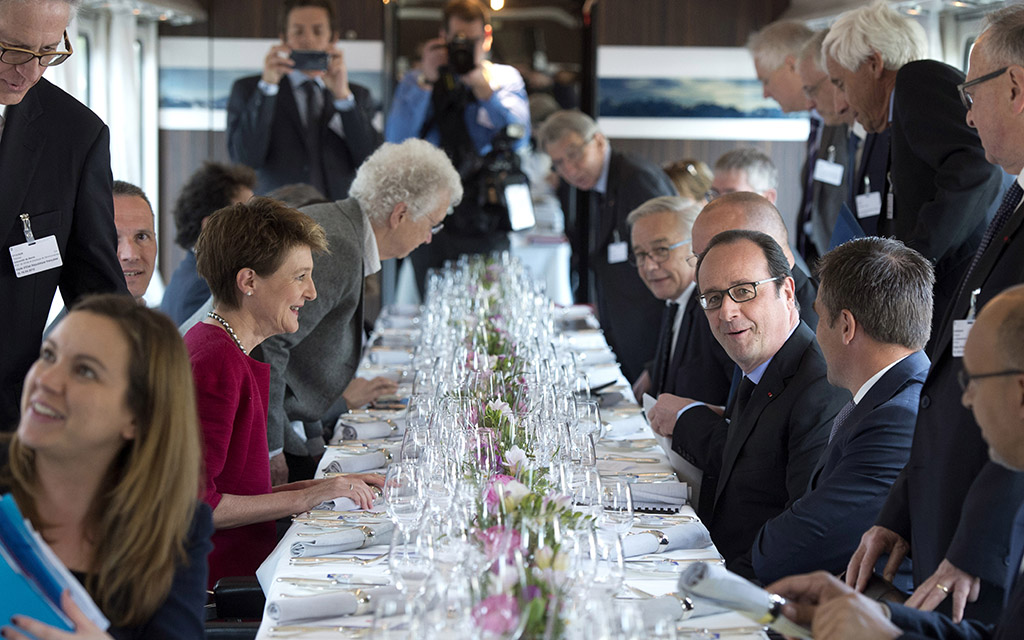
(993, 366)
(740, 210)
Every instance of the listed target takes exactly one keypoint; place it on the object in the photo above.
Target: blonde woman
(105, 464)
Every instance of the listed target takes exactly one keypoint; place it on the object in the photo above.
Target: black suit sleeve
(90, 262)
(980, 544)
(929, 624)
(944, 142)
(250, 116)
(360, 135)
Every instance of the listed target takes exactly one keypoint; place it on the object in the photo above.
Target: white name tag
(869, 204)
(617, 252)
(41, 255)
(829, 172)
(961, 328)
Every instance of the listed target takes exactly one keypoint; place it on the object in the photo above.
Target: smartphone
(310, 60)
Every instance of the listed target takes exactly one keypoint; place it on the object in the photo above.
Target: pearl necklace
(227, 327)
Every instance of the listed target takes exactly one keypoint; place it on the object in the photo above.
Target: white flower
(515, 457)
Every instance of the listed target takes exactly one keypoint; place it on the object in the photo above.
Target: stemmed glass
(616, 514)
(403, 495)
(588, 418)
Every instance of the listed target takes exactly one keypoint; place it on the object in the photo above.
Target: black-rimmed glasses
(658, 254)
(743, 292)
(966, 98)
(17, 55)
(965, 378)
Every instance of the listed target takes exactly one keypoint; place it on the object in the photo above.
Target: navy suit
(929, 624)
(55, 159)
(949, 501)
(761, 461)
(186, 292)
(626, 307)
(267, 134)
(822, 529)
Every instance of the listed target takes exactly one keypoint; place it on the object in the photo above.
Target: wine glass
(616, 506)
(403, 494)
(588, 418)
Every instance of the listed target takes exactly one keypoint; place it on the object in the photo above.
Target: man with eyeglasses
(688, 362)
(939, 189)
(941, 508)
(758, 454)
(461, 101)
(833, 168)
(993, 390)
(56, 208)
(617, 183)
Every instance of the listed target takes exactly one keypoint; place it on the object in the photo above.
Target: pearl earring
(248, 293)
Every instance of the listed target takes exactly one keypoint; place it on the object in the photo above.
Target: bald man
(753, 212)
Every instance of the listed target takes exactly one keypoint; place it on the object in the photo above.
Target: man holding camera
(462, 103)
(301, 120)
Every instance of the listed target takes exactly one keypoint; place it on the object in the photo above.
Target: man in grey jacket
(398, 200)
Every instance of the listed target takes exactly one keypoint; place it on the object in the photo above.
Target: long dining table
(627, 449)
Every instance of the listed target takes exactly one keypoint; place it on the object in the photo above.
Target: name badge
(869, 204)
(961, 328)
(829, 172)
(34, 257)
(618, 252)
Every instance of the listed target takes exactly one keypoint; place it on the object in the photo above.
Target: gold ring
(942, 587)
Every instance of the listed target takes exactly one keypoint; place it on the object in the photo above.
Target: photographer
(301, 120)
(460, 102)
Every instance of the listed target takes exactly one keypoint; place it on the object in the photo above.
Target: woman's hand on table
(84, 628)
(361, 391)
(345, 486)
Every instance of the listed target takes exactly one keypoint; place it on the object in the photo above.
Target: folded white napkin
(600, 374)
(344, 540)
(591, 339)
(595, 356)
(357, 464)
(283, 609)
(659, 495)
(338, 504)
(384, 355)
(626, 427)
(348, 429)
(666, 608)
(689, 535)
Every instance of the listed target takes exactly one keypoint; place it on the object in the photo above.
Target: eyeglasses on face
(743, 292)
(657, 254)
(965, 378)
(17, 55)
(573, 155)
(966, 98)
(711, 194)
(434, 230)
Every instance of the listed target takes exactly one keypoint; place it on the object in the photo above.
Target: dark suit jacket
(700, 368)
(874, 161)
(266, 133)
(762, 459)
(55, 155)
(806, 289)
(822, 529)
(827, 198)
(927, 624)
(942, 183)
(186, 292)
(628, 311)
(949, 501)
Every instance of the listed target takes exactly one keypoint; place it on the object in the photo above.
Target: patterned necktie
(1006, 208)
(841, 417)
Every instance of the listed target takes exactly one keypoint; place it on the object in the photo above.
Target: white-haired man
(940, 185)
(745, 169)
(398, 200)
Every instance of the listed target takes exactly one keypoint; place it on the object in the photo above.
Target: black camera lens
(461, 55)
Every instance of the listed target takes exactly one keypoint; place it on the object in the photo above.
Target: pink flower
(497, 614)
(498, 540)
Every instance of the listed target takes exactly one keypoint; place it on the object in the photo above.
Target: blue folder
(847, 228)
